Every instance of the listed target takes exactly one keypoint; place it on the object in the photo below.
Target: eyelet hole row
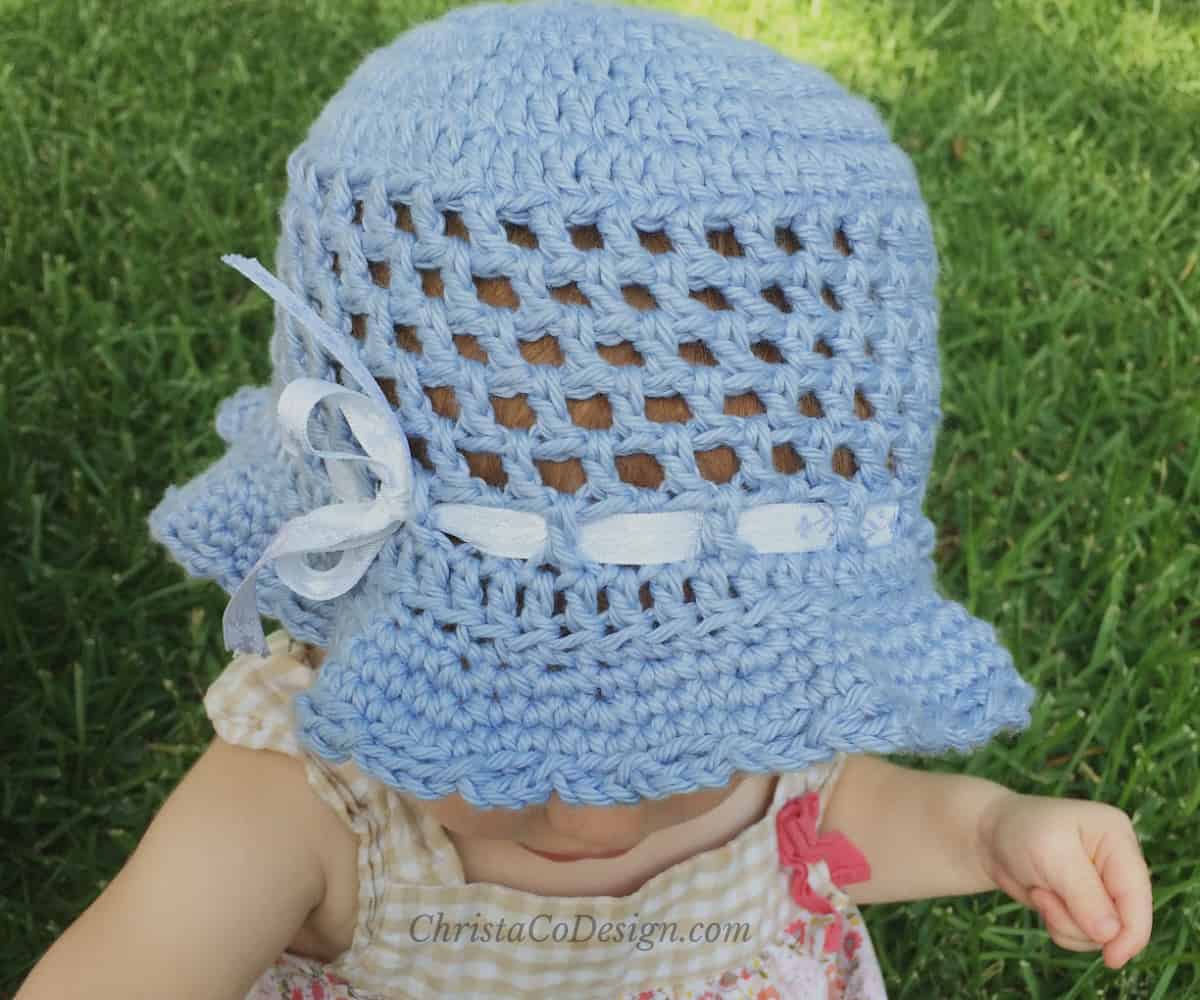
(546, 349)
(717, 465)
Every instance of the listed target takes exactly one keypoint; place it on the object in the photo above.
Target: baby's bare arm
(919, 830)
(225, 875)
(1077, 862)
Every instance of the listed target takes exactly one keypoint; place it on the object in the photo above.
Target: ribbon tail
(241, 625)
(294, 306)
(357, 531)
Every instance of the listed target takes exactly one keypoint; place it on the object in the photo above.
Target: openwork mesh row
(592, 357)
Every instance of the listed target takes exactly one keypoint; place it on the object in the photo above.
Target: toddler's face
(563, 832)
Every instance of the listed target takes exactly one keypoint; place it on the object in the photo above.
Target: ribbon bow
(356, 527)
(800, 847)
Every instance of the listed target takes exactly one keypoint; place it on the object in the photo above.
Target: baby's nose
(607, 827)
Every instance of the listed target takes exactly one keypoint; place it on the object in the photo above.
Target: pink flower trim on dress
(800, 847)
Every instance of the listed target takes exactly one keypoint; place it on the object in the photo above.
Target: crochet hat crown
(605, 262)
(679, 221)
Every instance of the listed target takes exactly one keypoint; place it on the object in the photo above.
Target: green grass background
(1059, 150)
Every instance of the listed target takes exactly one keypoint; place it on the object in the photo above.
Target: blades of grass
(80, 698)
(938, 19)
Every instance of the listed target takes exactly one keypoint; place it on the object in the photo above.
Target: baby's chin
(542, 830)
(457, 815)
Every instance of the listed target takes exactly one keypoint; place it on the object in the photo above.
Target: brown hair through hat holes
(637, 470)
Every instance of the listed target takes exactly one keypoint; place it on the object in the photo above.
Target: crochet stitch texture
(694, 222)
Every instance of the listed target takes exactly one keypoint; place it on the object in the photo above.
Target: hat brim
(218, 524)
(902, 671)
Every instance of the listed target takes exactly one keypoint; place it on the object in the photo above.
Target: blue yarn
(502, 680)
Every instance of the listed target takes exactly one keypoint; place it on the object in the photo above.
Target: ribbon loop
(356, 527)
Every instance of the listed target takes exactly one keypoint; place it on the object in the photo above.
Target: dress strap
(250, 703)
(821, 778)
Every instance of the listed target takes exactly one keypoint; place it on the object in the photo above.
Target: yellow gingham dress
(720, 925)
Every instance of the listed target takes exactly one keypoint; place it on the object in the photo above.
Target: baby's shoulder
(250, 706)
(287, 814)
(273, 794)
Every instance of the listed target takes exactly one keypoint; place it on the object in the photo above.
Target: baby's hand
(1078, 864)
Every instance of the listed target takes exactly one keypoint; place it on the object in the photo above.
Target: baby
(588, 494)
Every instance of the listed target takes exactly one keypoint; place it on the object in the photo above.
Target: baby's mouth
(576, 856)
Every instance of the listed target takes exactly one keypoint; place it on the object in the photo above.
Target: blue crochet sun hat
(605, 394)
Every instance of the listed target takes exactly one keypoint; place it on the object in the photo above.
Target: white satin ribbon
(357, 526)
(663, 537)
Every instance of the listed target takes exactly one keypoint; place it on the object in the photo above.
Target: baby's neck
(505, 862)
